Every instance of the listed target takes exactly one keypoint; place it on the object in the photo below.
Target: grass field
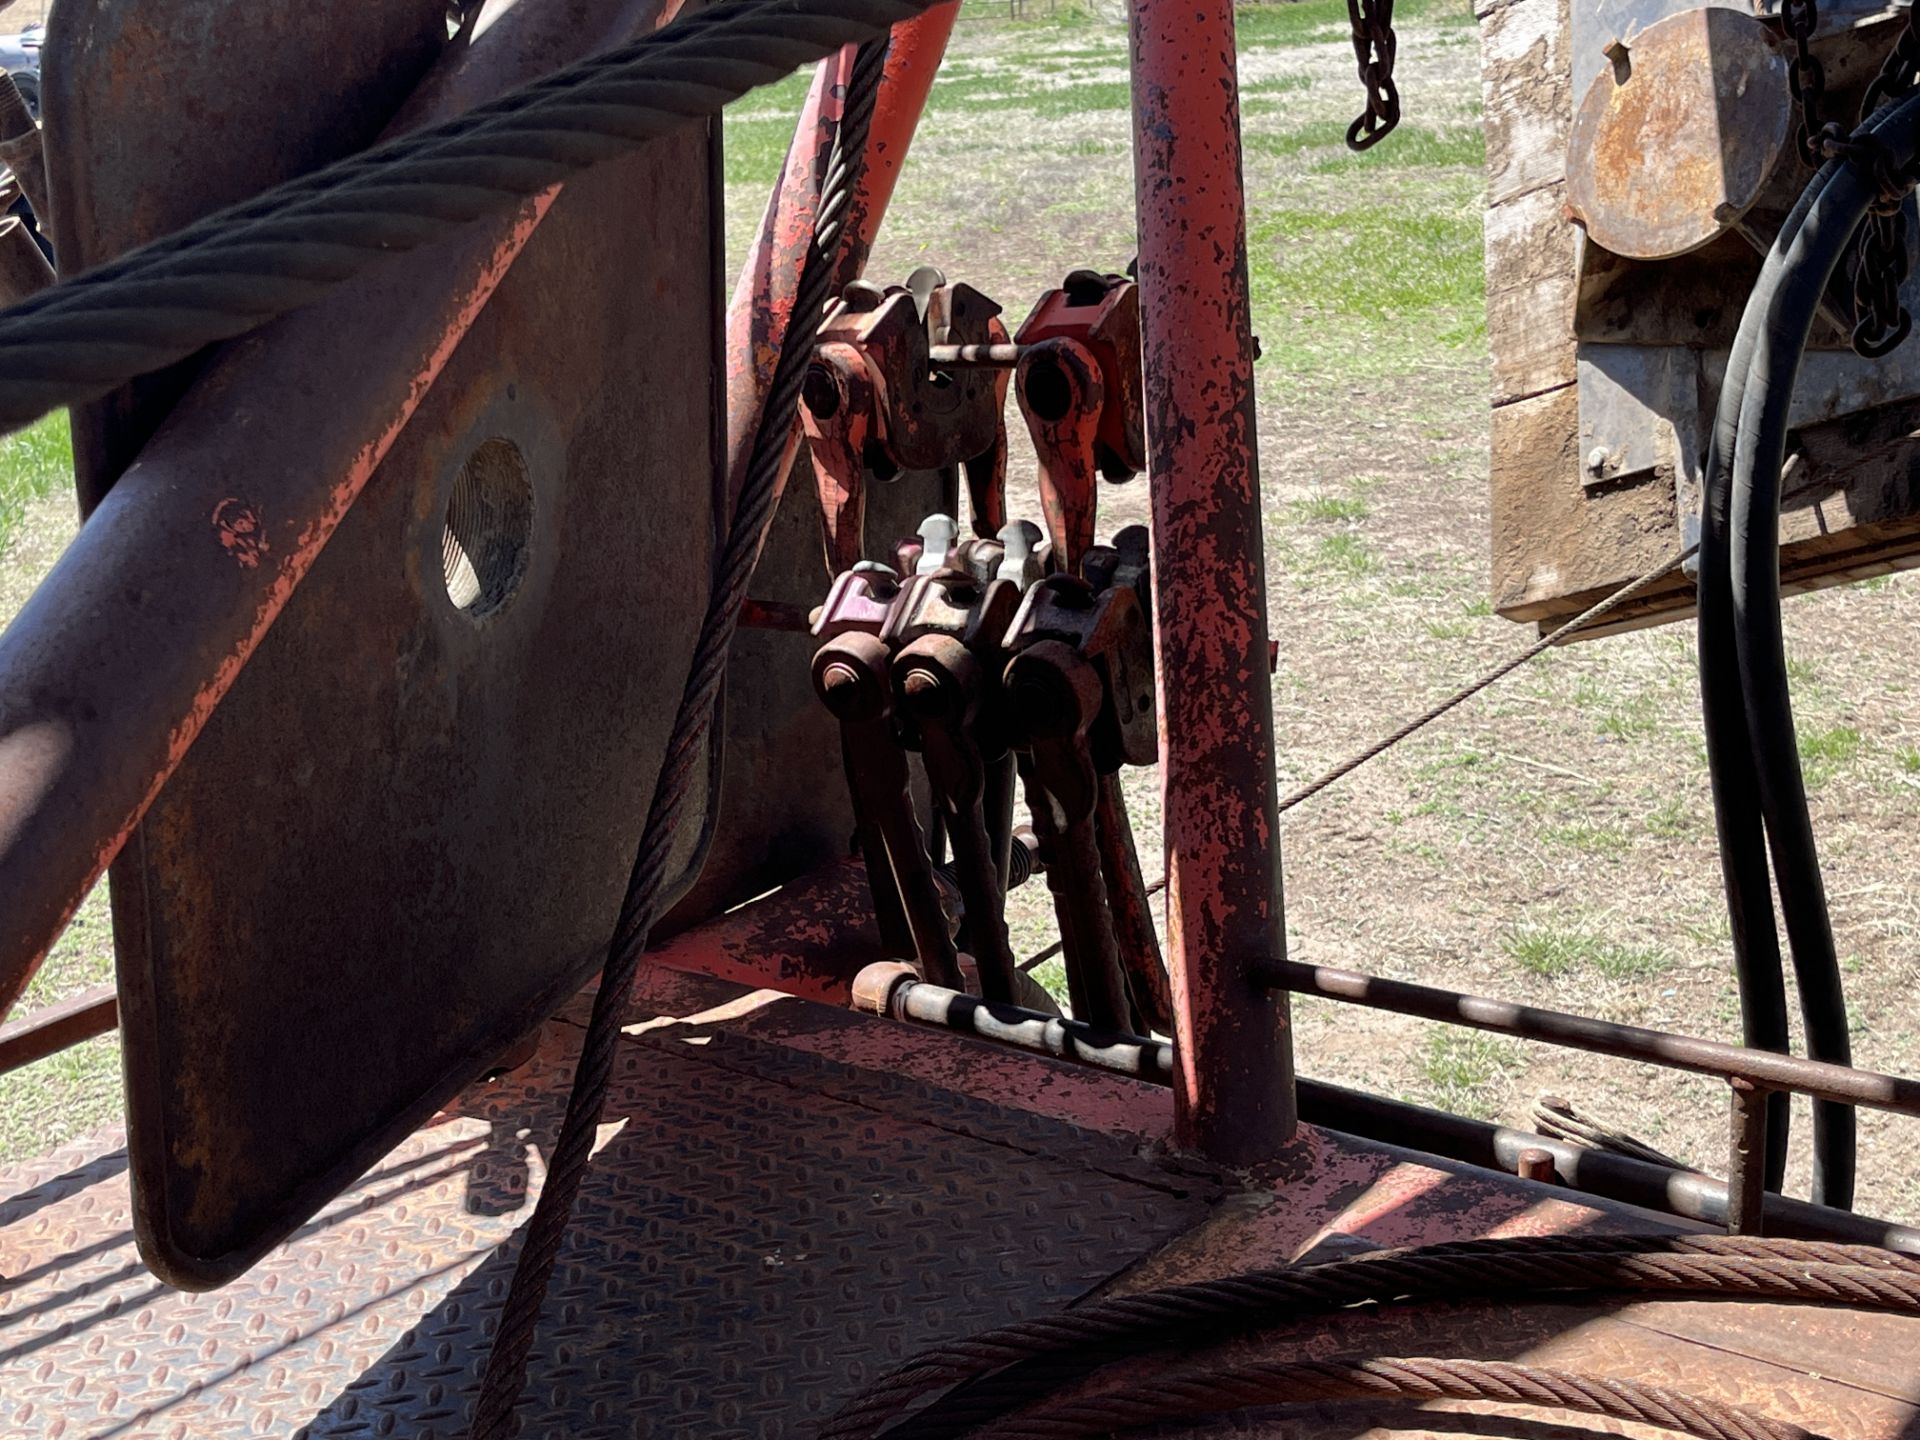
(1551, 841)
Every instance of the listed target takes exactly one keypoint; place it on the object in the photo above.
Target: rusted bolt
(837, 678)
(873, 987)
(820, 392)
(924, 693)
(1535, 1164)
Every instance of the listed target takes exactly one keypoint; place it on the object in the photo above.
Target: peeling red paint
(238, 526)
(1234, 1080)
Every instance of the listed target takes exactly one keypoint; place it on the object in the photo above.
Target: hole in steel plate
(483, 549)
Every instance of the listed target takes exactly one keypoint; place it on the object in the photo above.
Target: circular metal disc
(1673, 142)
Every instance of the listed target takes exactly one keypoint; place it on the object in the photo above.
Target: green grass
(1908, 759)
(1550, 953)
(1331, 507)
(1306, 22)
(1589, 839)
(1824, 752)
(76, 1091)
(1409, 147)
(33, 465)
(1671, 820)
(1468, 1073)
(1367, 292)
(1346, 553)
(1412, 147)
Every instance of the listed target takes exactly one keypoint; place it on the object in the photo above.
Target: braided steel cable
(645, 898)
(1184, 1394)
(984, 1376)
(241, 267)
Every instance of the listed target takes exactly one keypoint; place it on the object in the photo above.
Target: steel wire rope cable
(973, 1381)
(645, 899)
(1759, 973)
(241, 267)
(1201, 1390)
(1882, 150)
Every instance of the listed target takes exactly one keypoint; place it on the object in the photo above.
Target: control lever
(1110, 631)
(939, 684)
(957, 604)
(861, 603)
(1055, 697)
(850, 676)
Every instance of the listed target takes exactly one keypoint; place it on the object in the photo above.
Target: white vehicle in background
(20, 58)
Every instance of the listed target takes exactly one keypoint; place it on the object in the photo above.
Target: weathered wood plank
(1551, 536)
(1530, 250)
(1525, 78)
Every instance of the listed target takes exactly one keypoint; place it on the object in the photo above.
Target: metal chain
(1880, 267)
(1806, 76)
(1881, 262)
(1898, 71)
(759, 497)
(1374, 44)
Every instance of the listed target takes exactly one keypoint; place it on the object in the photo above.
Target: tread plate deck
(754, 1238)
(789, 1197)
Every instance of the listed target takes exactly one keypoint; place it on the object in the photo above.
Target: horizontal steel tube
(1684, 1193)
(1030, 1030)
(58, 1027)
(1761, 1068)
(975, 357)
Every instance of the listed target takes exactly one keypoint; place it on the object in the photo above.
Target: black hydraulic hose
(1810, 259)
(1757, 967)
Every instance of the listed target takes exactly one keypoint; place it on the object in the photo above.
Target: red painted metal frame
(117, 661)
(84, 755)
(1234, 1081)
(763, 296)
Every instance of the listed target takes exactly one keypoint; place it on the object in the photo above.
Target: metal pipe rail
(1739, 1203)
(1752, 1075)
(1762, 1069)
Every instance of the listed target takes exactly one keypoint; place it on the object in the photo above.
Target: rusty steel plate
(406, 831)
(749, 1248)
(1674, 139)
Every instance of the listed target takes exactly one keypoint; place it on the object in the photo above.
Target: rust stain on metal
(1673, 143)
(237, 524)
(1216, 723)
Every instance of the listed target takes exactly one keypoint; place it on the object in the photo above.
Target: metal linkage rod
(246, 265)
(1761, 1068)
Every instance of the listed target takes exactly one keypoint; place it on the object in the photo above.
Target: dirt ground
(1552, 840)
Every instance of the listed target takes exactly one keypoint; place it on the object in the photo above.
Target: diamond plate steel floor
(760, 1232)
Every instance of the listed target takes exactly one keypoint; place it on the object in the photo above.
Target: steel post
(1746, 1159)
(1224, 913)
